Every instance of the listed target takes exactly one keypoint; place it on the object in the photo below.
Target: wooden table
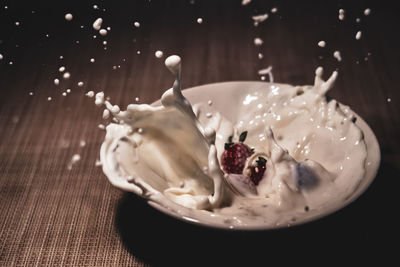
(53, 212)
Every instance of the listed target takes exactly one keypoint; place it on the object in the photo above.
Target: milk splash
(170, 154)
(154, 132)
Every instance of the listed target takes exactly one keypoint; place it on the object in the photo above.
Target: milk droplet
(274, 10)
(60, 57)
(82, 143)
(263, 78)
(159, 54)
(49, 98)
(64, 94)
(108, 28)
(76, 158)
(95, 7)
(358, 35)
(337, 55)
(68, 91)
(10, 63)
(209, 115)
(68, 16)
(341, 14)
(80, 84)
(321, 43)
(99, 99)
(97, 24)
(358, 20)
(137, 24)
(209, 102)
(104, 42)
(92, 60)
(66, 75)
(260, 55)
(258, 41)
(106, 114)
(103, 32)
(1, 56)
(259, 18)
(61, 69)
(115, 109)
(245, 2)
(101, 127)
(17, 23)
(138, 52)
(90, 94)
(265, 71)
(137, 99)
(56, 81)
(30, 93)
(199, 20)
(367, 11)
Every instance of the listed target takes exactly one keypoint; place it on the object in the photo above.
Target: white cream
(315, 153)
(321, 43)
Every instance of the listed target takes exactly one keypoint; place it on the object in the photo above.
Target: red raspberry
(234, 158)
(257, 172)
(235, 155)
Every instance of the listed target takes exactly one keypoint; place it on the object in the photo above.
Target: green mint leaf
(243, 136)
(261, 161)
(228, 145)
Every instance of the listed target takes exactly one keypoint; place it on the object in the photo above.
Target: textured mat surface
(58, 213)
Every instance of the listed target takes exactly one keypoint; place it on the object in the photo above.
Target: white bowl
(223, 96)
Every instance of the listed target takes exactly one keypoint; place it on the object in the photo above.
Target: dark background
(50, 215)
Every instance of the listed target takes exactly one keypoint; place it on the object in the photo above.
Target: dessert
(285, 155)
